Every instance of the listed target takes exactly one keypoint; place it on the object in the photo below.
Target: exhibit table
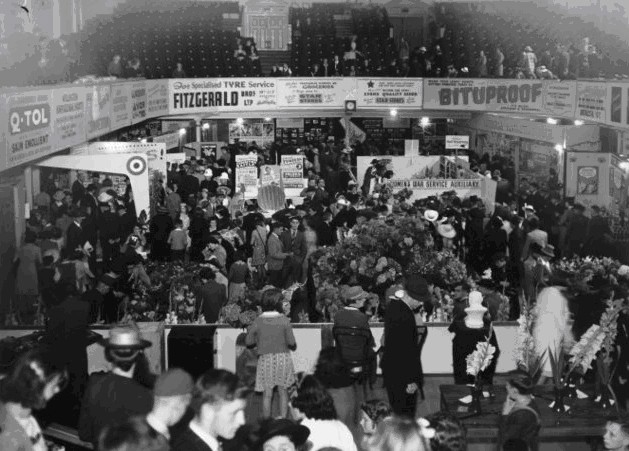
(584, 421)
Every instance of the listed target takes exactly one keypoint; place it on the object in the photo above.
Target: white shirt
(329, 433)
(207, 438)
(156, 424)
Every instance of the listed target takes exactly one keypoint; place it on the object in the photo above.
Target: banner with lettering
(559, 97)
(270, 175)
(170, 139)
(591, 101)
(314, 92)
(247, 175)
(293, 171)
(422, 188)
(216, 95)
(156, 98)
(98, 109)
(28, 131)
(155, 154)
(138, 102)
(509, 96)
(389, 93)
(120, 105)
(69, 116)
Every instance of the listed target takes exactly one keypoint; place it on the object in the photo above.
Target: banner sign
(156, 98)
(120, 105)
(385, 93)
(98, 111)
(559, 97)
(270, 175)
(228, 94)
(247, 174)
(591, 101)
(293, 171)
(457, 142)
(170, 139)
(508, 96)
(138, 99)
(69, 116)
(314, 92)
(29, 128)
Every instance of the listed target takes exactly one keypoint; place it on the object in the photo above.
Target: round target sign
(136, 165)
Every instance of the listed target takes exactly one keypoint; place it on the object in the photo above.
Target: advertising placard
(559, 97)
(587, 180)
(512, 96)
(270, 175)
(457, 142)
(138, 101)
(385, 93)
(247, 174)
(69, 116)
(98, 109)
(423, 188)
(28, 130)
(227, 94)
(591, 102)
(120, 105)
(171, 140)
(293, 171)
(156, 98)
(314, 92)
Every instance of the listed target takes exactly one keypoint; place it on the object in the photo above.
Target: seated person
(520, 417)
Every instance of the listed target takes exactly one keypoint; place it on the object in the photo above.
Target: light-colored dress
(329, 433)
(311, 246)
(258, 242)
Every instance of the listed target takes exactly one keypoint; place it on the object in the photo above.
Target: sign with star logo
(398, 93)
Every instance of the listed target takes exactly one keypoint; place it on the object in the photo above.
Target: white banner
(155, 153)
(156, 98)
(98, 108)
(171, 140)
(591, 101)
(388, 93)
(69, 117)
(121, 106)
(314, 92)
(293, 171)
(559, 97)
(218, 95)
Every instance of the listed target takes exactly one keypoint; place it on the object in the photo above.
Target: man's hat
(109, 279)
(208, 173)
(223, 190)
(446, 231)
(174, 382)
(352, 293)
(58, 196)
(77, 213)
(124, 337)
(417, 288)
(548, 250)
(431, 215)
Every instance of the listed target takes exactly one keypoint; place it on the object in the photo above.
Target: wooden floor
(429, 405)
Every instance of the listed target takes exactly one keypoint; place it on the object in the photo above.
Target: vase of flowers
(477, 362)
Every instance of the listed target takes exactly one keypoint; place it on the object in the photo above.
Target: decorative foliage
(585, 350)
(443, 267)
(525, 352)
(482, 356)
(585, 275)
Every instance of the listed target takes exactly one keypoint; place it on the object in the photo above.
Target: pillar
(198, 129)
(28, 182)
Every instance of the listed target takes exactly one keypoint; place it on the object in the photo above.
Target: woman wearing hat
(280, 435)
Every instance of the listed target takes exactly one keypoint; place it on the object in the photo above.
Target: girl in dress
(238, 273)
(311, 245)
(272, 335)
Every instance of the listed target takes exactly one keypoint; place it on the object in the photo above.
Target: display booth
(133, 165)
(594, 178)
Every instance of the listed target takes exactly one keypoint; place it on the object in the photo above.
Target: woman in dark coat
(161, 226)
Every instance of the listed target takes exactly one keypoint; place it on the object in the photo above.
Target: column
(28, 182)
(198, 128)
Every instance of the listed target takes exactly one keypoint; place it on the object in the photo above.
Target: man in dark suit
(115, 396)
(326, 232)
(276, 255)
(401, 364)
(75, 237)
(90, 200)
(211, 294)
(218, 404)
(294, 242)
(78, 188)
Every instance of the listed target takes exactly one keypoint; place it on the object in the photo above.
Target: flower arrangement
(526, 356)
(443, 267)
(481, 358)
(605, 358)
(582, 273)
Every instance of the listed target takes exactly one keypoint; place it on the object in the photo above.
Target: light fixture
(578, 122)
(425, 121)
(350, 106)
(206, 126)
(559, 148)
(143, 141)
(239, 121)
(182, 131)
(268, 119)
(393, 113)
(551, 121)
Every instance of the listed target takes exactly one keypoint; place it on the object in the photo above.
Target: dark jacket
(400, 363)
(189, 441)
(297, 246)
(212, 296)
(75, 238)
(523, 424)
(352, 348)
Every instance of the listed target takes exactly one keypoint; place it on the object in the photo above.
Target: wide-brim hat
(431, 215)
(270, 428)
(529, 208)
(223, 190)
(208, 173)
(124, 337)
(446, 231)
(343, 201)
(548, 250)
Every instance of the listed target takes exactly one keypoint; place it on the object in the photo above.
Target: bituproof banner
(189, 95)
(388, 93)
(507, 96)
(28, 130)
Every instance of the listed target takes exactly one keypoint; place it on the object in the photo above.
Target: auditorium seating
(195, 34)
(325, 30)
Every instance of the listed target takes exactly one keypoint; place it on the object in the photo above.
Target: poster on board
(587, 180)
